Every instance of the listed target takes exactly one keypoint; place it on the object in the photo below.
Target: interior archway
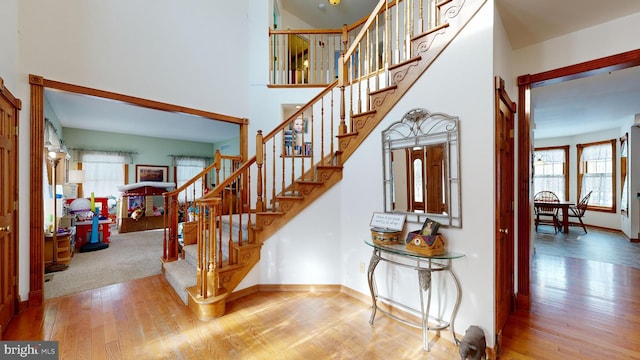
(36, 224)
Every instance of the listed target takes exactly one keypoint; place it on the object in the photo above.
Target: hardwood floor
(581, 309)
(144, 319)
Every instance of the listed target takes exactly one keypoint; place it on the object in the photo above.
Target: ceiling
(564, 109)
(580, 106)
(319, 14)
(99, 114)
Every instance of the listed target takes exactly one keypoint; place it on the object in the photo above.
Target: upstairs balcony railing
(311, 57)
(292, 153)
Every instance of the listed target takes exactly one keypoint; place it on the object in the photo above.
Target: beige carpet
(129, 256)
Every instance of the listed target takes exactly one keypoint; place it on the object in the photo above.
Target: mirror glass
(421, 167)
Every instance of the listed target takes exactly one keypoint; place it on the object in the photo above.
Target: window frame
(580, 168)
(564, 148)
(82, 165)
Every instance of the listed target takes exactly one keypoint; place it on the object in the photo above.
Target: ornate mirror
(421, 161)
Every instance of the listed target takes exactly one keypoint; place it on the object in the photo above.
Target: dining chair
(545, 214)
(577, 212)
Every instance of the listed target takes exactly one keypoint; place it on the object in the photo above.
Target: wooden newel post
(170, 246)
(259, 163)
(218, 164)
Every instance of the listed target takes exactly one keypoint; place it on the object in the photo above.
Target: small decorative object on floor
(473, 345)
(386, 229)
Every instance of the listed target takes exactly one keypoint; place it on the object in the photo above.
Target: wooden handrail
(283, 175)
(367, 25)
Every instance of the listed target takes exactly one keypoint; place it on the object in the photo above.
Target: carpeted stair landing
(181, 274)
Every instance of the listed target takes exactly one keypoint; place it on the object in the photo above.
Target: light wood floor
(581, 309)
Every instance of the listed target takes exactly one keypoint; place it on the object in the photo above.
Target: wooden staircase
(272, 188)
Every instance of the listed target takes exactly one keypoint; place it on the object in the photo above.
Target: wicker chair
(577, 212)
(546, 214)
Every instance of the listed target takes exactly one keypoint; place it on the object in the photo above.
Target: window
(104, 172)
(186, 169)
(550, 170)
(596, 173)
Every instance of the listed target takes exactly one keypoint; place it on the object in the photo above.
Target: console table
(424, 265)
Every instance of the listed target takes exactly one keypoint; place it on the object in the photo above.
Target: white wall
(153, 49)
(9, 43)
(459, 83)
(610, 38)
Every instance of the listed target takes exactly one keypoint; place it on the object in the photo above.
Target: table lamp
(76, 177)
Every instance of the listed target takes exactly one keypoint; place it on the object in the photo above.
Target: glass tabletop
(401, 249)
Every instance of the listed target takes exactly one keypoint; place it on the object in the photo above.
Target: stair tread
(180, 275)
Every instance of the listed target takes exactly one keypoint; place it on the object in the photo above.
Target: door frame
(525, 84)
(36, 214)
(505, 197)
(10, 260)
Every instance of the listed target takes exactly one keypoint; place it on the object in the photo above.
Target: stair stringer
(426, 48)
(267, 223)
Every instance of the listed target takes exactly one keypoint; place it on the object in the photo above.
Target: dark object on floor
(91, 246)
(473, 346)
(55, 267)
(94, 244)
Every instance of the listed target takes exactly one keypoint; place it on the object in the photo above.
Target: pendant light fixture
(334, 2)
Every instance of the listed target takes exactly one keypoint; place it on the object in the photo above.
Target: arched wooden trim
(36, 222)
(525, 84)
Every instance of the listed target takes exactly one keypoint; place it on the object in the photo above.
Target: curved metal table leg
(424, 279)
(456, 306)
(375, 259)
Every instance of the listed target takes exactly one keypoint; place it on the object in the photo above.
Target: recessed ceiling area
(586, 105)
(319, 14)
(100, 114)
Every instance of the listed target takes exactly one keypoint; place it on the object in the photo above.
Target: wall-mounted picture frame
(299, 126)
(152, 173)
(296, 138)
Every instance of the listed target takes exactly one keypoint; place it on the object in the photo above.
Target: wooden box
(429, 245)
(386, 229)
(385, 236)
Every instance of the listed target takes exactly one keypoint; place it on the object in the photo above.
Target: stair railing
(207, 231)
(179, 204)
(310, 57)
(289, 155)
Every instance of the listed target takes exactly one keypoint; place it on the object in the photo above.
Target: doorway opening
(525, 84)
(37, 125)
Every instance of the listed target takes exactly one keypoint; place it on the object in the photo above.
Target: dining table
(563, 206)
